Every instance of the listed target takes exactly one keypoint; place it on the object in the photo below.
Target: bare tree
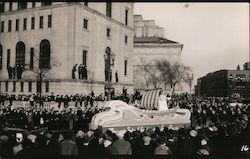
(138, 72)
(189, 80)
(172, 74)
(40, 72)
(151, 74)
(91, 79)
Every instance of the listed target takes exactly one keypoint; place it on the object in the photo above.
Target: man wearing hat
(188, 146)
(82, 141)
(68, 146)
(107, 144)
(146, 148)
(5, 147)
(120, 146)
(162, 148)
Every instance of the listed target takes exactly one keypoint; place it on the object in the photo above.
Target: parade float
(119, 115)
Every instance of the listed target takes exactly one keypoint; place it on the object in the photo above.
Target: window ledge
(87, 30)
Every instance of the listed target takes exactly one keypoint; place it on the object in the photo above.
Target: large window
(9, 26)
(1, 7)
(125, 67)
(8, 58)
(1, 57)
(47, 86)
(22, 4)
(6, 86)
(33, 23)
(46, 3)
(44, 57)
(24, 23)
(33, 4)
(108, 32)
(30, 86)
(31, 58)
(14, 86)
(41, 22)
(10, 6)
(84, 57)
(49, 21)
(126, 17)
(2, 26)
(20, 54)
(85, 23)
(21, 86)
(126, 39)
(108, 8)
(17, 24)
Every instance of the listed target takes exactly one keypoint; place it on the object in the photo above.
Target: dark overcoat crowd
(216, 128)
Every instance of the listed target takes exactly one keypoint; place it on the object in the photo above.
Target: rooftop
(153, 40)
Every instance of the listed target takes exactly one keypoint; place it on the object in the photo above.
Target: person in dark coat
(73, 71)
(82, 142)
(80, 71)
(14, 72)
(146, 148)
(116, 77)
(85, 72)
(10, 70)
(68, 146)
(106, 73)
(95, 145)
(107, 142)
(188, 145)
(19, 71)
(121, 146)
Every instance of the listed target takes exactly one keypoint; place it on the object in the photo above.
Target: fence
(48, 105)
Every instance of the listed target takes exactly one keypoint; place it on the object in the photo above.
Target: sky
(215, 35)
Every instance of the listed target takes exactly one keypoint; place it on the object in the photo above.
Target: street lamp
(110, 58)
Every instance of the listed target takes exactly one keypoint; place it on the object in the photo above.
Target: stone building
(147, 28)
(224, 83)
(149, 44)
(54, 36)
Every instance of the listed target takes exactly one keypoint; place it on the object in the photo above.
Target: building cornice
(65, 80)
(29, 10)
(154, 45)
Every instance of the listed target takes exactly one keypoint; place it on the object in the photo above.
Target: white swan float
(120, 115)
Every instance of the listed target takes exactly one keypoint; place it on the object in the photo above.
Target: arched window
(1, 57)
(44, 56)
(20, 53)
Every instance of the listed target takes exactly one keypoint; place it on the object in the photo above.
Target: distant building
(60, 35)
(224, 83)
(147, 28)
(149, 44)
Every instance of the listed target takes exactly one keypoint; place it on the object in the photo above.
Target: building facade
(224, 83)
(57, 36)
(147, 28)
(150, 44)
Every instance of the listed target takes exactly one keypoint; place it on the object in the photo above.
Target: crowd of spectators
(83, 100)
(216, 128)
